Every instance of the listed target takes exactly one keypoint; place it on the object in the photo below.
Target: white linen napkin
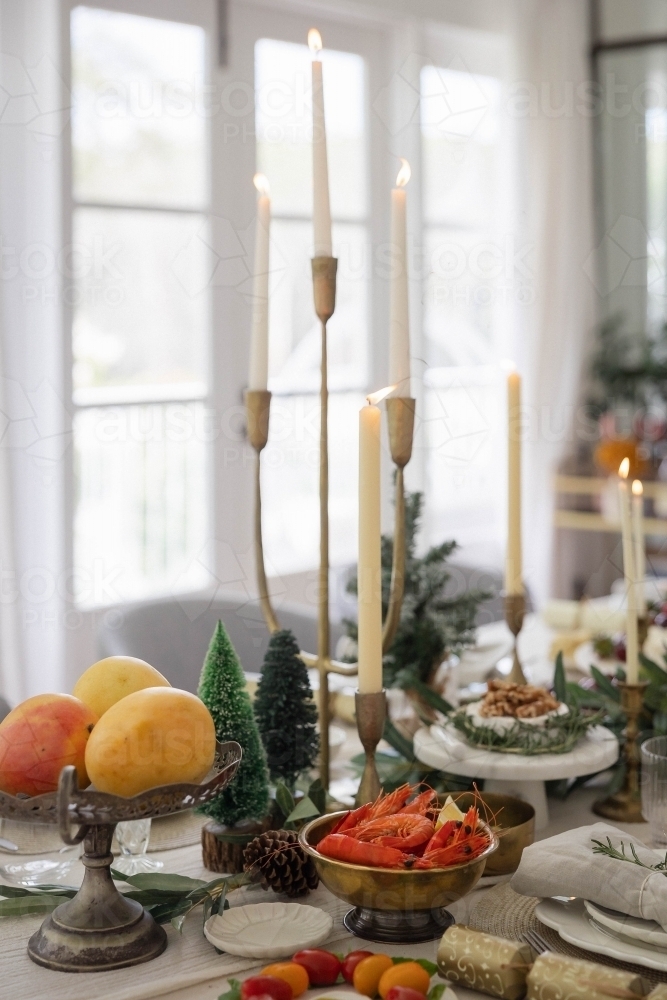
(565, 865)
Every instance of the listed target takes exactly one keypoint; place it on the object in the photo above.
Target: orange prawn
(356, 852)
(383, 806)
(422, 803)
(403, 830)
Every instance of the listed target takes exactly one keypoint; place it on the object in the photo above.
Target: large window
(283, 127)
(140, 168)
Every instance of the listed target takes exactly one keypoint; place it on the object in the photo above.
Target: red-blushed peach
(158, 736)
(40, 737)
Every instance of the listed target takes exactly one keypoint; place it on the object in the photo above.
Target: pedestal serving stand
(100, 929)
(516, 774)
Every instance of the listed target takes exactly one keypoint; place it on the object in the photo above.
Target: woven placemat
(503, 912)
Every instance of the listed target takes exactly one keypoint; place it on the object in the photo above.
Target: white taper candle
(321, 208)
(513, 563)
(369, 578)
(631, 639)
(640, 544)
(259, 341)
(399, 318)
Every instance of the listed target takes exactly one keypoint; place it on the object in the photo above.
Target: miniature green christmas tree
(285, 712)
(222, 689)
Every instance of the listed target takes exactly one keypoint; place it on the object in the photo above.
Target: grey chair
(173, 634)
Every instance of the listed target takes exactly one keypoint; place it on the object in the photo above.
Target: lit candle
(321, 209)
(638, 532)
(369, 573)
(399, 320)
(631, 641)
(513, 567)
(259, 342)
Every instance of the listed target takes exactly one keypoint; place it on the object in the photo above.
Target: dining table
(191, 969)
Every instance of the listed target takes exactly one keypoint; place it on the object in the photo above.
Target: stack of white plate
(268, 930)
(606, 932)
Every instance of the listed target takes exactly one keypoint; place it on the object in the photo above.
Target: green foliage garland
(222, 689)
(431, 624)
(285, 712)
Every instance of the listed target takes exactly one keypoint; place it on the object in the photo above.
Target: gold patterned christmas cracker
(485, 963)
(556, 977)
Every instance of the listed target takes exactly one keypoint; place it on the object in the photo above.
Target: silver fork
(535, 941)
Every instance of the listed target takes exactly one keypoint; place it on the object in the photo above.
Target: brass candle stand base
(625, 806)
(371, 710)
(515, 610)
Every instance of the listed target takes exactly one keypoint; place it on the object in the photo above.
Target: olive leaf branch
(610, 851)
(166, 897)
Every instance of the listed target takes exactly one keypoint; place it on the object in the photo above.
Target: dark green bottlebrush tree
(222, 689)
(431, 623)
(285, 712)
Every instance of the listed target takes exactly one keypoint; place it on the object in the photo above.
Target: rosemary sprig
(559, 734)
(610, 851)
(166, 897)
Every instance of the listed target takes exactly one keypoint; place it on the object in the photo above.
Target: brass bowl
(514, 823)
(393, 904)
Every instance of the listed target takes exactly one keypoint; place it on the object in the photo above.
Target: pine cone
(281, 863)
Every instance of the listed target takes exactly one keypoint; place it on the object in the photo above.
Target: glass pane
(290, 477)
(466, 464)
(140, 525)
(138, 317)
(462, 291)
(460, 125)
(295, 347)
(283, 123)
(138, 117)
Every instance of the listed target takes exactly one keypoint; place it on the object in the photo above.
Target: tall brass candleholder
(515, 610)
(401, 423)
(258, 405)
(625, 806)
(371, 711)
(401, 411)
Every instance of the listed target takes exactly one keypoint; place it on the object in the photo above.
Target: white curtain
(33, 414)
(549, 102)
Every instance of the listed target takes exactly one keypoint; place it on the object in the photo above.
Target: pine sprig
(166, 897)
(610, 851)
(559, 734)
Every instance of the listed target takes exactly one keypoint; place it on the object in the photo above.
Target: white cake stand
(513, 774)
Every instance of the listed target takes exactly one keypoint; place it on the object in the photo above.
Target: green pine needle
(559, 734)
(610, 851)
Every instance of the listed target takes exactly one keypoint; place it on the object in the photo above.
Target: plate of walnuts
(505, 703)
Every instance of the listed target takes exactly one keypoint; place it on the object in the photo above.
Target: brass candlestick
(515, 610)
(401, 422)
(401, 413)
(258, 405)
(625, 806)
(371, 710)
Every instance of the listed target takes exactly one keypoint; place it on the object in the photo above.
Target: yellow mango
(107, 681)
(158, 736)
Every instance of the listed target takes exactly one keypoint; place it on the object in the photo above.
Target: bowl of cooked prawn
(398, 863)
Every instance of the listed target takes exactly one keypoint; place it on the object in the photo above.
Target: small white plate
(268, 930)
(575, 926)
(501, 723)
(646, 931)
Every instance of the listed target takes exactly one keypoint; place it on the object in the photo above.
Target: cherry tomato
(292, 973)
(323, 967)
(410, 974)
(262, 986)
(350, 962)
(369, 972)
(404, 993)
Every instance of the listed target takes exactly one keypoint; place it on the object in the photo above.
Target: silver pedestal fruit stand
(99, 929)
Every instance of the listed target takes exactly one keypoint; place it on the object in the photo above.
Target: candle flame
(624, 468)
(261, 182)
(314, 41)
(404, 174)
(377, 397)
(637, 488)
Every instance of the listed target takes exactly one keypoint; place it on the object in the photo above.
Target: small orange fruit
(290, 972)
(410, 974)
(368, 973)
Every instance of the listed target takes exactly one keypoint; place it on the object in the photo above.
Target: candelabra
(401, 413)
(625, 806)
